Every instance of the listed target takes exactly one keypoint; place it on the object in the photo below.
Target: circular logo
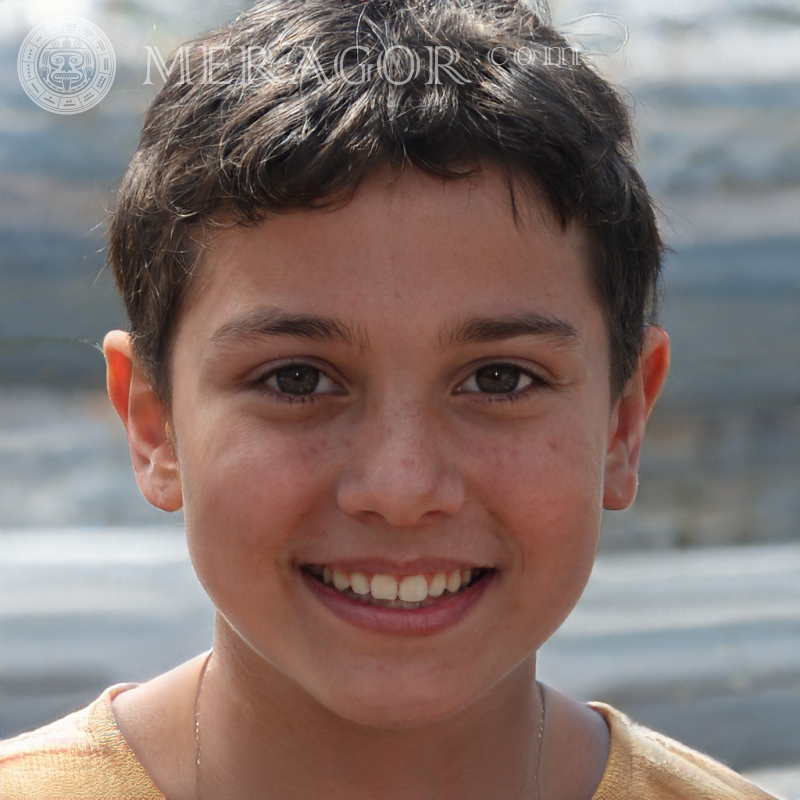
(66, 65)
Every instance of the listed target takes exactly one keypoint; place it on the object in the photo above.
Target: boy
(389, 270)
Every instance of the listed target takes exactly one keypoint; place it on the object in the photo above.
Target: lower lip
(408, 622)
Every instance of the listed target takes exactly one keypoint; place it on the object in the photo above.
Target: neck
(260, 735)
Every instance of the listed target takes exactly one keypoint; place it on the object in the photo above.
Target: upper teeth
(409, 588)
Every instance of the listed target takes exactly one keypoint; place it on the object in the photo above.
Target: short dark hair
(446, 86)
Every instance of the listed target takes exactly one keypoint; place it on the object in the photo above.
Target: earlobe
(630, 415)
(146, 422)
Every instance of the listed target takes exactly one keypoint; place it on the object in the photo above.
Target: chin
(391, 708)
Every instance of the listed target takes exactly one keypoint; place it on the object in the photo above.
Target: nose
(399, 472)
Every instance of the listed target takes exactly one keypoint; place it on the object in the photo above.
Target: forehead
(407, 249)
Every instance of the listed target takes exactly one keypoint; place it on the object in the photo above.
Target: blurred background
(691, 622)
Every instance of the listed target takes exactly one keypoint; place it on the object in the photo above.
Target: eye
(498, 379)
(299, 380)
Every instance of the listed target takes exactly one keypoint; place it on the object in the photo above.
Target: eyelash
(537, 383)
(260, 384)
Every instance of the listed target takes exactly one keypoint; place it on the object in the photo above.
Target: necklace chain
(541, 741)
(197, 725)
(197, 772)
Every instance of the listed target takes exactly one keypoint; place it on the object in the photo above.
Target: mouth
(406, 592)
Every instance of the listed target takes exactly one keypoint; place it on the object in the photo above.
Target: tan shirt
(84, 756)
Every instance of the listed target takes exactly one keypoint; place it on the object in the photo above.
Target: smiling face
(374, 400)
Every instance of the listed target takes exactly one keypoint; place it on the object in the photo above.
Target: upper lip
(378, 566)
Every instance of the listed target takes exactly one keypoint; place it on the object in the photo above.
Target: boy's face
(408, 385)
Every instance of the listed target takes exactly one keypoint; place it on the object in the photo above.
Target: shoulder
(642, 763)
(83, 755)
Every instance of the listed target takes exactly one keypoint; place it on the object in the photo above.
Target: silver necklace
(541, 740)
(197, 771)
(197, 725)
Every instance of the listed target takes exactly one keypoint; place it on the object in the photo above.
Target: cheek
(246, 465)
(543, 469)
(545, 486)
(248, 494)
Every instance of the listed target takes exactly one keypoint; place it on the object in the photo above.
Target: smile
(401, 592)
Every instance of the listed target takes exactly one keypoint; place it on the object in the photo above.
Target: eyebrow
(276, 322)
(474, 330)
(481, 329)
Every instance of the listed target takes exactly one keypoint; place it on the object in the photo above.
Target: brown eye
(500, 378)
(296, 379)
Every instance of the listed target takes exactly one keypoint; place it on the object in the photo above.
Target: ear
(146, 423)
(630, 415)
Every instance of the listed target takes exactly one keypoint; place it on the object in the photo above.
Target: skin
(398, 455)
